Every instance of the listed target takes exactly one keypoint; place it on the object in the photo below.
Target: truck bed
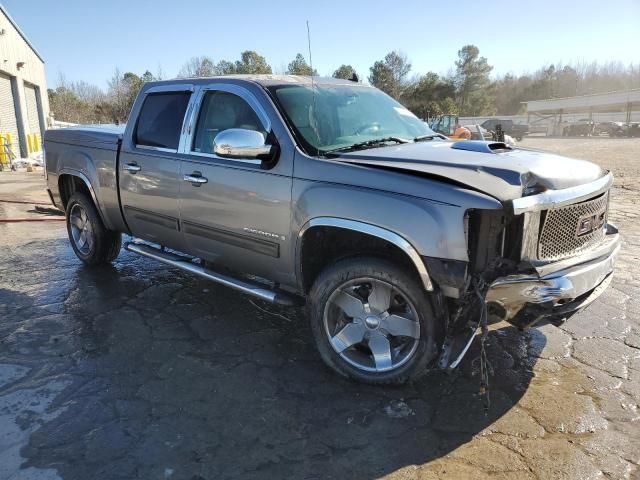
(88, 152)
(97, 136)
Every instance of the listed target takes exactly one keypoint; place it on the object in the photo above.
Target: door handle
(132, 167)
(195, 178)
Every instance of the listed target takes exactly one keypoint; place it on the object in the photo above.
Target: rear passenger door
(149, 169)
(239, 215)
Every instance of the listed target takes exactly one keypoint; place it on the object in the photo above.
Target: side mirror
(241, 143)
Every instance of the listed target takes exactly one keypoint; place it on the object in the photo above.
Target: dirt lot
(621, 155)
(140, 371)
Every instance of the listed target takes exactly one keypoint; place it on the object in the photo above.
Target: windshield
(341, 116)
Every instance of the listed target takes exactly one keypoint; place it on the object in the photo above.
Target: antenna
(309, 46)
(313, 90)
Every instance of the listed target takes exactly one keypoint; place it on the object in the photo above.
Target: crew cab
(402, 244)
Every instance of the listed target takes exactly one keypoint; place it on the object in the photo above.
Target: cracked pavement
(142, 371)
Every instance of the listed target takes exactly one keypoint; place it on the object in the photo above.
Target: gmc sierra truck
(402, 244)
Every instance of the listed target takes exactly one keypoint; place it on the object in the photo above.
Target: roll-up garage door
(33, 120)
(8, 122)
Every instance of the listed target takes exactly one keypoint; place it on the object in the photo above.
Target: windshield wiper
(377, 142)
(422, 138)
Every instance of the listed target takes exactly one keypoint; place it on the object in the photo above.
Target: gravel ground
(621, 155)
(140, 371)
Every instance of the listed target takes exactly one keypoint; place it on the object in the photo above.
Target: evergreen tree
(299, 66)
(389, 74)
(474, 92)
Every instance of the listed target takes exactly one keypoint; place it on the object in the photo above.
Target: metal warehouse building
(24, 104)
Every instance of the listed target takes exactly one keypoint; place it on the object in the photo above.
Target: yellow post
(3, 154)
(9, 140)
(36, 142)
(29, 145)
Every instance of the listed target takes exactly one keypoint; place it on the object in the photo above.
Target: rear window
(160, 120)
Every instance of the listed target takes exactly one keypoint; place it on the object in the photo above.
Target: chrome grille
(560, 235)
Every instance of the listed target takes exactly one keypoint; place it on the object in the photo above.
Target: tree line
(467, 89)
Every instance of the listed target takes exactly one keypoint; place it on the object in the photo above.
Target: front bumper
(526, 299)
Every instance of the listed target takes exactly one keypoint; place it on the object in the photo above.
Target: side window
(445, 125)
(222, 111)
(160, 120)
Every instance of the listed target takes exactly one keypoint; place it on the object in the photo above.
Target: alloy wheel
(372, 325)
(81, 229)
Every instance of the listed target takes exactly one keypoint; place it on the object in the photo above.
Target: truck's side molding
(373, 231)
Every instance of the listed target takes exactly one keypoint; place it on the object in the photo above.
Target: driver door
(236, 213)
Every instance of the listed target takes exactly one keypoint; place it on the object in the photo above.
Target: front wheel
(373, 322)
(90, 239)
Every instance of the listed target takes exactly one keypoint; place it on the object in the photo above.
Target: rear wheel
(373, 322)
(90, 239)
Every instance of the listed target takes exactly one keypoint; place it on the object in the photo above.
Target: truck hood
(504, 174)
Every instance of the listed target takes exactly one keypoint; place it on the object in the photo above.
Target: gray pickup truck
(401, 243)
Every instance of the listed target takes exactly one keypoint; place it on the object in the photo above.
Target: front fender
(427, 228)
(374, 231)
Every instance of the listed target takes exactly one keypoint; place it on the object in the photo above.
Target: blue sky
(87, 39)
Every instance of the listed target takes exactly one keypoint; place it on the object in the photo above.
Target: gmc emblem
(589, 223)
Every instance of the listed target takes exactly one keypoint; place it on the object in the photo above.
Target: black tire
(519, 138)
(403, 282)
(106, 244)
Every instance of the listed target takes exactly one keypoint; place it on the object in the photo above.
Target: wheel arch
(72, 181)
(335, 224)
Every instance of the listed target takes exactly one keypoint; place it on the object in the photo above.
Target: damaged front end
(543, 258)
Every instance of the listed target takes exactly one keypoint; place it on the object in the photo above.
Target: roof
(584, 103)
(266, 80)
(24, 37)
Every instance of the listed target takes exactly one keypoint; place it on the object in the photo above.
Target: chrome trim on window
(559, 198)
(374, 231)
(249, 161)
(157, 149)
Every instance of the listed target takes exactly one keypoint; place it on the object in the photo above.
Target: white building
(24, 105)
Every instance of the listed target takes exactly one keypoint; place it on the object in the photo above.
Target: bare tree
(198, 67)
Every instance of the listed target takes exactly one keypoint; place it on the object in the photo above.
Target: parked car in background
(613, 129)
(327, 192)
(515, 130)
(582, 127)
(633, 129)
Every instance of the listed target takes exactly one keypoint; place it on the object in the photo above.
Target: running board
(183, 263)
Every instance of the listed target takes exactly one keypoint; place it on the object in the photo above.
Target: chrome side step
(183, 263)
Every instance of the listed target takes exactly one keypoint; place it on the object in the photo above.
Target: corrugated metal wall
(33, 118)
(8, 122)
(25, 67)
